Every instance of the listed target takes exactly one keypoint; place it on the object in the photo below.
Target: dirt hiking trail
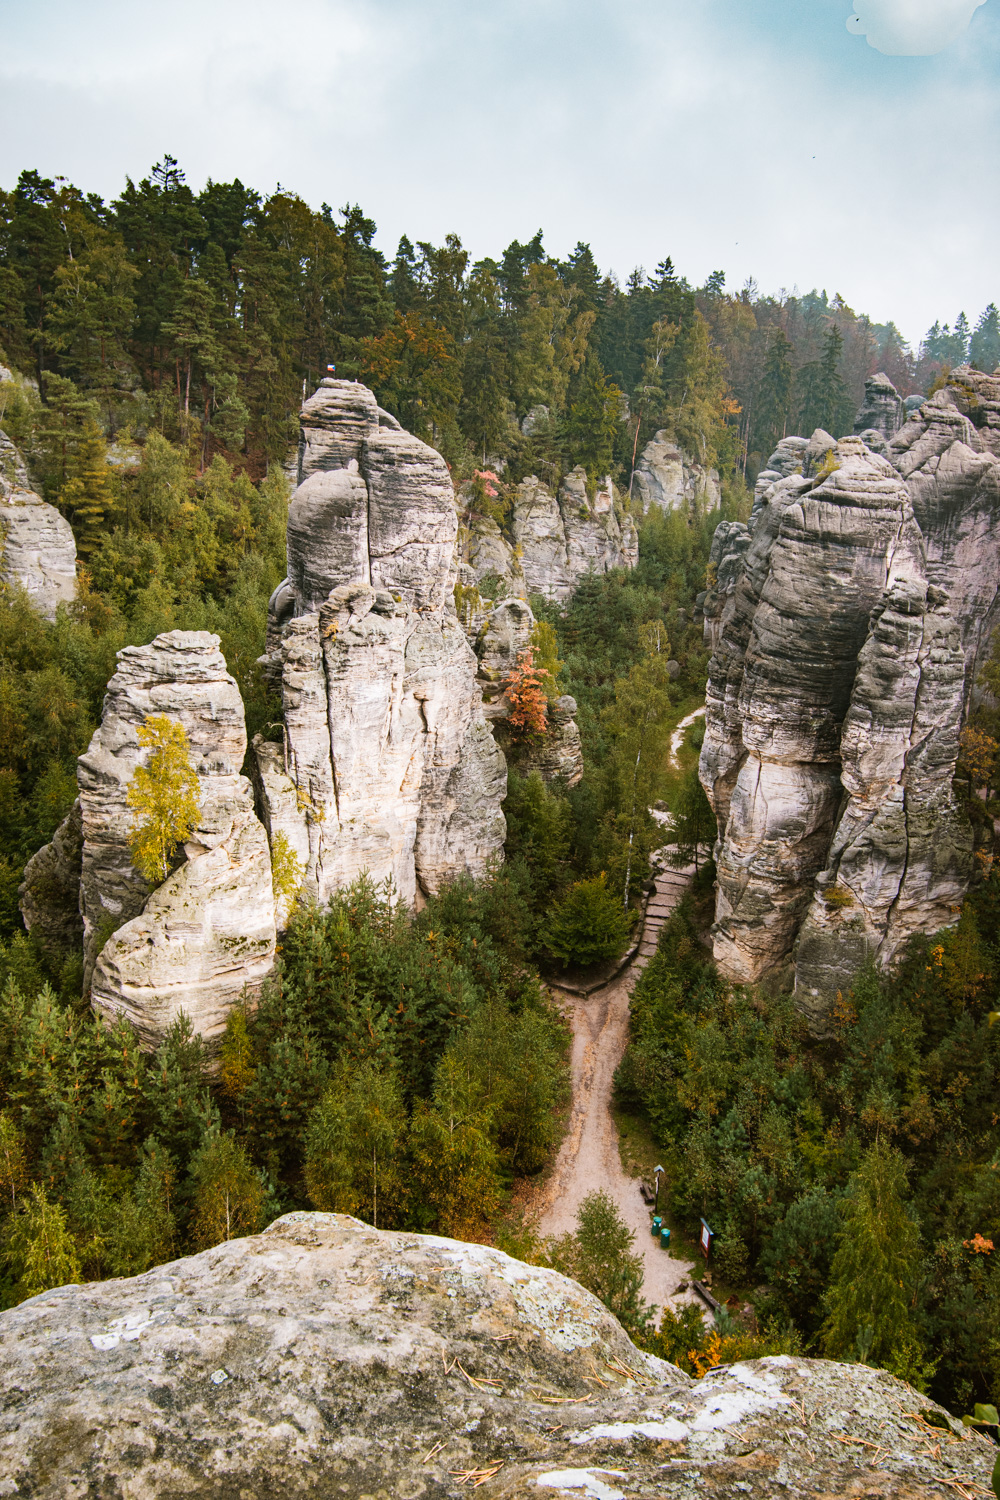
(589, 1157)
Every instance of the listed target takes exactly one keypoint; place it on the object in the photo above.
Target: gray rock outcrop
(667, 478)
(324, 1358)
(555, 540)
(559, 756)
(387, 766)
(37, 547)
(882, 409)
(845, 662)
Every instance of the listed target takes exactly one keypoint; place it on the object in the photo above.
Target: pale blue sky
(758, 136)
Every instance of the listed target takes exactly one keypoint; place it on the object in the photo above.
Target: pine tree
(230, 1198)
(163, 797)
(355, 1142)
(984, 346)
(875, 1268)
(87, 494)
(39, 1246)
(824, 402)
(13, 1169)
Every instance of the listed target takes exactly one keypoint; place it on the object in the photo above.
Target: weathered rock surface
(37, 547)
(882, 408)
(328, 1359)
(205, 937)
(837, 544)
(729, 544)
(666, 477)
(559, 756)
(556, 540)
(195, 942)
(949, 454)
(845, 663)
(388, 766)
(50, 890)
(183, 675)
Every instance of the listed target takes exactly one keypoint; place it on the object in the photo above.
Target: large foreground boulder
(326, 1359)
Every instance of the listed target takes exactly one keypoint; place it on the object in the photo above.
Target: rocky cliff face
(37, 548)
(666, 477)
(387, 765)
(846, 650)
(325, 1358)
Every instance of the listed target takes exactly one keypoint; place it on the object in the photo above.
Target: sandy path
(589, 1156)
(677, 738)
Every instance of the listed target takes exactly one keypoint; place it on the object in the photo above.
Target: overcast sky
(795, 141)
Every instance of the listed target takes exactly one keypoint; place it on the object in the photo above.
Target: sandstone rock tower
(849, 622)
(387, 763)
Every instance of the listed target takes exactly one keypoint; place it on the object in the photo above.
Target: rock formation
(388, 766)
(325, 1358)
(882, 409)
(845, 656)
(559, 756)
(667, 478)
(555, 540)
(37, 548)
(196, 941)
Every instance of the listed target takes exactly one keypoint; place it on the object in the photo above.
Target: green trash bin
(664, 1239)
(656, 1227)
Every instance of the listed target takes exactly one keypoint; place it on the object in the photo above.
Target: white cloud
(912, 28)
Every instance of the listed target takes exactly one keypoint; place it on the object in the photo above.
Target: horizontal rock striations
(324, 1358)
(846, 654)
(387, 765)
(37, 547)
(882, 409)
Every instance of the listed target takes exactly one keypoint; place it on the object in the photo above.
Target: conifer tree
(87, 494)
(692, 820)
(39, 1246)
(355, 1143)
(984, 346)
(163, 797)
(13, 1168)
(823, 397)
(875, 1269)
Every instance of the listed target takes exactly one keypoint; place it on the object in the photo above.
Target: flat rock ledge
(325, 1358)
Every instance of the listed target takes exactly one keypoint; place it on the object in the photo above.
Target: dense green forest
(412, 1070)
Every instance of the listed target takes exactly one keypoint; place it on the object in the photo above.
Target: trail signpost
(705, 1241)
(657, 1223)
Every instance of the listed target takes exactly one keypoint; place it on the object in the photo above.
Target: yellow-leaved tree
(163, 797)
